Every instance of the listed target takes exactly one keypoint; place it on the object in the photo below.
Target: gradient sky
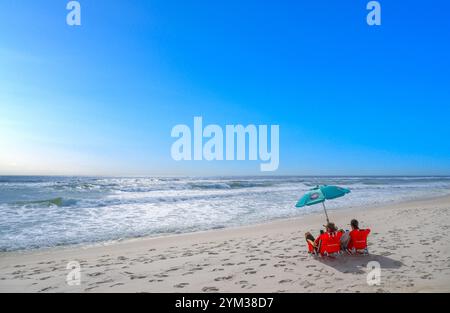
(101, 99)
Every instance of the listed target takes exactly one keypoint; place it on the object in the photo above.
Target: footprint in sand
(228, 264)
(427, 276)
(90, 288)
(96, 274)
(224, 278)
(133, 277)
(245, 284)
(173, 269)
(181, 285)
(210, 289)
(47, 289)
(105, 281)
(249, 271)
(307, 284)
(217, 270)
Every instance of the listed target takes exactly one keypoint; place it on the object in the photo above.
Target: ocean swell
(39, 212)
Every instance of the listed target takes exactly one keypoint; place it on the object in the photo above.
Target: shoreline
(250, 258)
(85, 246)
(339, 211)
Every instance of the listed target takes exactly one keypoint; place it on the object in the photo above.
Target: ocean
(41, 212)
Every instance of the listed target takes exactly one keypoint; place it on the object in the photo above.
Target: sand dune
(411, 242)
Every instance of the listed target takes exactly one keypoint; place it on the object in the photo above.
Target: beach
(203, 147)
(410, 240)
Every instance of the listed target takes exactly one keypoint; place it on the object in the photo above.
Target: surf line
(235, 145)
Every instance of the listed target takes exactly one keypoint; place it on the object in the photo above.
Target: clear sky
(102, 98)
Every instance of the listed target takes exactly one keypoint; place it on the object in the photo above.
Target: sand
(411, 242)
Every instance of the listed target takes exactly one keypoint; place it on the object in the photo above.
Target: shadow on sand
(357, 264)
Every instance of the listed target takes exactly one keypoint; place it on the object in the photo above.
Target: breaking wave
(40, 212)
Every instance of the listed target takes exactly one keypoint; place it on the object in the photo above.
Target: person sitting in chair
(327, 243)
(357, 238)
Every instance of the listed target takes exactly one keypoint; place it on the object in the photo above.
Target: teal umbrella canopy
(320, 194)
(333, 192)
(310, 198)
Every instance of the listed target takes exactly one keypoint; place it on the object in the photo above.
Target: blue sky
(102, 98)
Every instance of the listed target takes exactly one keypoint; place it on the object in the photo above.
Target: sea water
(40, 212)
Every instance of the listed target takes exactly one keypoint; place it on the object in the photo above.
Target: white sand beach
(411, 241)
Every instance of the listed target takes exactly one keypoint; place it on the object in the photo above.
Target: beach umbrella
(321, 193)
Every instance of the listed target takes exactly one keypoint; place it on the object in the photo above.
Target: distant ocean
(39, 212)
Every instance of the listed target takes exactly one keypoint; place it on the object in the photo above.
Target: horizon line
(215, 176)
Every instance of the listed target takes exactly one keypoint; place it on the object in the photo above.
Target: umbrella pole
(325, 209)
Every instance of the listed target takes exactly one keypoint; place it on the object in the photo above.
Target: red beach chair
(310, 246)
(330, 243)
(358, 241)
